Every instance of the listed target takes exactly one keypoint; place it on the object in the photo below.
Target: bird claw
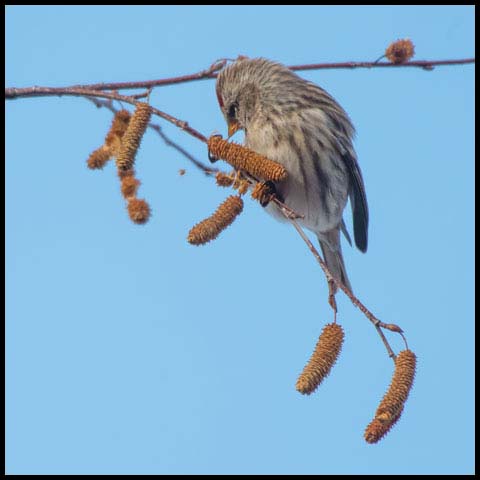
(268, 191)
(211, 157)
(332, 289)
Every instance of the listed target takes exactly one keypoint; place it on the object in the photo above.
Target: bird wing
(344, 230)
(358, 199)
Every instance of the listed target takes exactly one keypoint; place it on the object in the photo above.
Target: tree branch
(13, 93)
(95, 91)
(330, 278)
(80, 92)
(425, 64)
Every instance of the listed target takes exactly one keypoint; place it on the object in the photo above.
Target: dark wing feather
(344, 131)
(358, 201)
(344, 230)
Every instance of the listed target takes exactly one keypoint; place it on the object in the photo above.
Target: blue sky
(130, 351)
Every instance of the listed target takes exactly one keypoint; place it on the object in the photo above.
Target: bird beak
(233, 126)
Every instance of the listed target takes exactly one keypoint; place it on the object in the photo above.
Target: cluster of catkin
(122, 142)
(390, 409)
(243, 160)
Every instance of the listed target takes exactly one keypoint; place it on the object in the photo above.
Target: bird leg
(332, 289)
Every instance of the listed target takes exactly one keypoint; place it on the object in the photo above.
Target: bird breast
(317, 182)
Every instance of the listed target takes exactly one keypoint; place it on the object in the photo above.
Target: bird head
(239, 91)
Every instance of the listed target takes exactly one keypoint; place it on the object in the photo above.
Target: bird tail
(332, 255)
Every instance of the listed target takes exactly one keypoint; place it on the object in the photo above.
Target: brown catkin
(323, 358)
(400, 51)
(378, 428)
(129, 186)
(138, 210)
(125, 173)
(119, 127)
(243, 158)
(237, 181)
(210, 228)
(224, 180)
(133, 136)
(243, 187)
(391, 406)
(112, 142)
(99, 158)
(402, 382)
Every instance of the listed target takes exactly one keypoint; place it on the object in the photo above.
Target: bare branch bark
(425, 64)
(13, 93)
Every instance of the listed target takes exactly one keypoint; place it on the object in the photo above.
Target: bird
(298, 124)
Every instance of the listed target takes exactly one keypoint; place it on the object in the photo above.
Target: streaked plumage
(299, 125)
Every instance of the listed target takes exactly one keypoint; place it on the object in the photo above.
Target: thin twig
(146, 94)
(103, 103)
(292, 216)
(425, 64)
(376, 322)
(81, 92)
(206, 170)
(204, 74)
(13, 93)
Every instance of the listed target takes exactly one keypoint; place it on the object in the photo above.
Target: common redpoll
(298, 124)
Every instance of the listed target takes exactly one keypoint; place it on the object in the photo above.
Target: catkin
(243, 187)
(133, 136)
(378, 428)
(391, 406)
(232, 180)
(224, 180)
(113, 140)
(243, 158)
(211, 227)
(98, 158)
(129, 185)
(400, 51)
(120, 122)
(138, 210)
(323, 358)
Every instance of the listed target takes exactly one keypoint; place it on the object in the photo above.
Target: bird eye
(232, 111)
